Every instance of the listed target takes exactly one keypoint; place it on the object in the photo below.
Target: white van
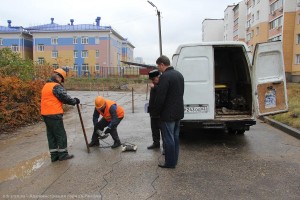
(224, 90)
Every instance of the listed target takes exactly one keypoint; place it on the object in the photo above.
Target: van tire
(235, 132)
(240, 132)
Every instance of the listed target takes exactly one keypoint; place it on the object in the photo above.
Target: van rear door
(268, 79)
(196, 64)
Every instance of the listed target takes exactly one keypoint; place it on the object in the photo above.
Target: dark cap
(153, 73)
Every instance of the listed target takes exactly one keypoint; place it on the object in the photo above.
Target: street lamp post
(159, 27)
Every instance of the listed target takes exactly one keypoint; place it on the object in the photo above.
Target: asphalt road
(262, 164)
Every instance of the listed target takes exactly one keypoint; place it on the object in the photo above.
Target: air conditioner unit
(273, 13)
(281, 9)
(298, 4)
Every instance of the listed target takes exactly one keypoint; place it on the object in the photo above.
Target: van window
(266, 70)
(196, 69)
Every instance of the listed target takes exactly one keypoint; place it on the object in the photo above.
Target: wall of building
(228, 23)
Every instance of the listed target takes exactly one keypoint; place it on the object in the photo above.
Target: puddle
(24, 168)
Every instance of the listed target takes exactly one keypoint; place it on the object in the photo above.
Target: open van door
(196, 64)
(268, 79)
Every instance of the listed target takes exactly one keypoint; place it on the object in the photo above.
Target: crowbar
(86, 142)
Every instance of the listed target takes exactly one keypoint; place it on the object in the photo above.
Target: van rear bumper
(215, 124)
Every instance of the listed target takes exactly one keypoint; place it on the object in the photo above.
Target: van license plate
(196, 108)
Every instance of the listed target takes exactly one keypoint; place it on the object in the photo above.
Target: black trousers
(155, 128)
(101, 125)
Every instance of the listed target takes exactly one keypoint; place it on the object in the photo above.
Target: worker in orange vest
(112, 114)
(53, 97)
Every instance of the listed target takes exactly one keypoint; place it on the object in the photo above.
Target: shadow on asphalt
(212, 138)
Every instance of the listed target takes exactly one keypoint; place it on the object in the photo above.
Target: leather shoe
(94, 144)
(68, 156)
(116, 144)
(154, 146)
(165, 166)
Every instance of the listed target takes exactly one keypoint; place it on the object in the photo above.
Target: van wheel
(240, 132)
(231, 131)
(235, 132)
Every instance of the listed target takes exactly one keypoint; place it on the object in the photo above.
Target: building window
(252, 19)
(1, 41)
(54, 54)
(54, 40)
(75, 40)
(97, 40)
(297, 58)
(55, 66)
(298, 19)
(97, 67)
(85, 67)
(75, 67)
(40, 47)
(276, 23)
(97, 53)
(257, 30)
(15, 48)
(84, 54)
(84, 40)
(298, 39)
(275, 6)
(41, 60)
(253, 2)
(75, 54)
(277, 38)
(257, 15)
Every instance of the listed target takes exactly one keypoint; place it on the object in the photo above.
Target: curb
(287, 129)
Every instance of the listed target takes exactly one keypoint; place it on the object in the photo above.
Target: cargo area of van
(232, 83)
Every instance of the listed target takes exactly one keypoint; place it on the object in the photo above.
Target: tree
(11, 64)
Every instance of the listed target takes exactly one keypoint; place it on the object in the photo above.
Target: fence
(107, 72)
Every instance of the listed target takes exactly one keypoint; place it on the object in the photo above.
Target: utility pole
(159, 26)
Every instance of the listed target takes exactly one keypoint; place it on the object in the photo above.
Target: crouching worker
(53, 97)
(112, 114)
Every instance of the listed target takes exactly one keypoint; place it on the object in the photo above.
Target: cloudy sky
(181, 20)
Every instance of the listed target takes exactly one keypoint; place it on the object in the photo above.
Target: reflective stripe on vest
(50, 105)
(106, 114)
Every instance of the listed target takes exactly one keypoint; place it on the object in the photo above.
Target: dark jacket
(169, 100)
(153, 94)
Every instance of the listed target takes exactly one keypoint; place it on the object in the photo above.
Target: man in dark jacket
(154, 120)
(169, 106)
(53, 97)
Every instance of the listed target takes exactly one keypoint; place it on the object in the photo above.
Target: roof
(139, 64)
(213, 43)
(11, 29)
(66, 28)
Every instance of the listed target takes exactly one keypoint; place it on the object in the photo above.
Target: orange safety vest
(106, 114)
(50, 105)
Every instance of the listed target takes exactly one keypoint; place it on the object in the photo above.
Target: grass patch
(292, 117)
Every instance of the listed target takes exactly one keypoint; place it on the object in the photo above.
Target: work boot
(94, 144)
(116, 144)
(154, 146)
(68, 156)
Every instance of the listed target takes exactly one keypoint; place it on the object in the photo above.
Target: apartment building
(212, 30)
(239, 21)
(295, 56)
(228, 23)
(82, 50)
(257, 25)
(17, 38)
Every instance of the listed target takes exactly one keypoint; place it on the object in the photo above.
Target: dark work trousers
(155, 128)
(57, 138)
(101, 125)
